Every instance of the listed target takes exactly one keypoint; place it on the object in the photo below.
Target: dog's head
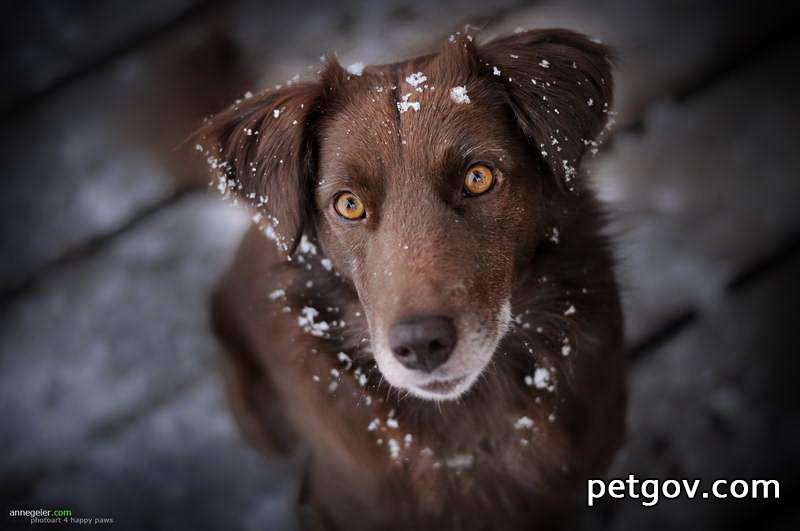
(426, 182)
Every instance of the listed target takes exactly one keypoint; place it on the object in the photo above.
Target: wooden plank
(719, 402)
(705, 188)
(123, 331)
(87, 160)
(48, 42)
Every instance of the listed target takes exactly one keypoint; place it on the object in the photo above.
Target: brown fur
(464, 257)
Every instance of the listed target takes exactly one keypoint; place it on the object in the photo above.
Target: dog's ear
(559, 87)
(261, 152)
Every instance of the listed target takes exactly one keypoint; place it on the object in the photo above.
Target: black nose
(423, 343)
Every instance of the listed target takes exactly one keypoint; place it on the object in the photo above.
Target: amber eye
(349, 206)
(478, 180)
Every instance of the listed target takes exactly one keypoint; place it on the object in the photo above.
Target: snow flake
(306, 247)
(405, 105)
(356, 68)
(523, 423)
(541, 379)
(277, 294)
(544, 63)
(495, 71)
(459, 95)
(394, 449)
(566, 348)
(307, 321)
(416, 79)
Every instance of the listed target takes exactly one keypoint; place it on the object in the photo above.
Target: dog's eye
(478, 180)
(349, 206)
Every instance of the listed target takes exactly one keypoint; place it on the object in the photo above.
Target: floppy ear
(260, 150)
(559, 87)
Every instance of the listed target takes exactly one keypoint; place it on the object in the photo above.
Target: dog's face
(445, 199)
(426, 185)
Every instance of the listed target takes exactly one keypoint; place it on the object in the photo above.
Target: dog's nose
(423, 343)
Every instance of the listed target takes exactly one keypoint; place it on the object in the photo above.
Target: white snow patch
(306, 247)
(541, 379)
(277, 294)
(307, 321)
(523, 423)
(394, 448)
(459, 95)
(356, 68)
(566, 348)
(405, 105)
(416, 79)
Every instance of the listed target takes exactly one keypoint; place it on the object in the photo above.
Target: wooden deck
(110, 399)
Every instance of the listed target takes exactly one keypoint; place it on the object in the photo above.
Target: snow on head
(356, 68)
(405, 105)
(459, 95)
(416, 79)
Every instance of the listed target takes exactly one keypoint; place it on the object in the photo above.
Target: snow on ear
(259, 150)
(457, 59)
(559, 87)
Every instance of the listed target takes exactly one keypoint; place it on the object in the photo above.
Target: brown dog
(436, 322)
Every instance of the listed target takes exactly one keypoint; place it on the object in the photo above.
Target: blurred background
(111, 403)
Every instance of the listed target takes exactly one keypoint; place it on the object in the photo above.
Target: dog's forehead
(411, 112)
